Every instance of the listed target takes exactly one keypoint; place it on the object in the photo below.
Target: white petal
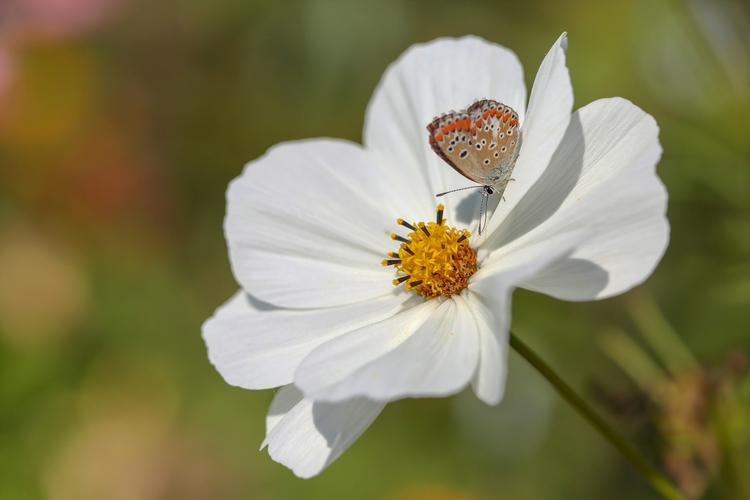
(307, 226)
(285, 398)
(550, 107)
(489, 300)
(307, 437)
(489, 379)
(258, 349)
(431, 350)
(426, 81)
(602, 178)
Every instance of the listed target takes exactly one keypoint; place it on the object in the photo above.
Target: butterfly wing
(481, 143)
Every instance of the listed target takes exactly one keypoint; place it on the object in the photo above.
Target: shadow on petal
(468, 209)
(548, 193)
(282, 405)
(340, 424)
(590, 279)
(258, 304)
(307, 436)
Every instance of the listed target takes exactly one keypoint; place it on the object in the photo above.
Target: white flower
(308, 224)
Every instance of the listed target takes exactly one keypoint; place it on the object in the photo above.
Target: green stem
(657, 480)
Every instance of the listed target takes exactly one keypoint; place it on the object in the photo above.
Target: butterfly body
(481, 142)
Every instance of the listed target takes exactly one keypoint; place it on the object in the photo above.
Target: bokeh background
(121, 123)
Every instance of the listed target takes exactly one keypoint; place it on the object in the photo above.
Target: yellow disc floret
(434, 260)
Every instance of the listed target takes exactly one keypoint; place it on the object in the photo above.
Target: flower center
(434, 260)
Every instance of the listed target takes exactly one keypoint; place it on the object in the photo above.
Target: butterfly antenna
(454, 190)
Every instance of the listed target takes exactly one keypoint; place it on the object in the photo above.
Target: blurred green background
(121, 123)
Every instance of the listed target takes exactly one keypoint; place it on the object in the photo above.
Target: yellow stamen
(434, 260)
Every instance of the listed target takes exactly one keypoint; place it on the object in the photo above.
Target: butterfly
(481, 143)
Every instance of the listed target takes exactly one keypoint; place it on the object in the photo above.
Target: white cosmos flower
(308, 225)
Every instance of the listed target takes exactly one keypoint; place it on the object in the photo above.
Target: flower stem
(657, 480)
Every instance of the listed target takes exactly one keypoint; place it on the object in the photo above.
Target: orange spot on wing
(505, 117)
(513, 123)
(466, 123)
(439, 137)
(485, 114)
(451, 126)
(445, 129)
(478, 122)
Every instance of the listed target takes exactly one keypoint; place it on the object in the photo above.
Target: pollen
(434, 259)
